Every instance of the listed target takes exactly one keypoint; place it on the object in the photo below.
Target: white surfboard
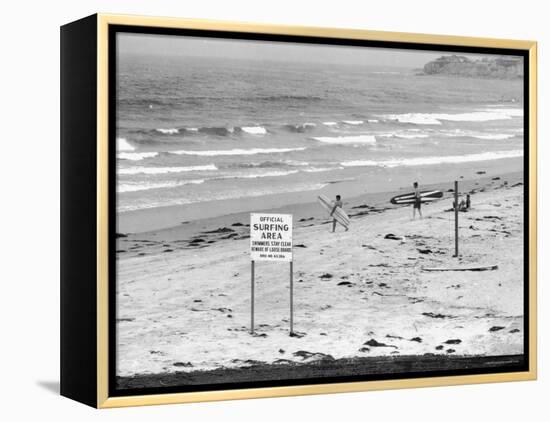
(339, 214)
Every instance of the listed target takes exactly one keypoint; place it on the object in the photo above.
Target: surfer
(417, 201)
(464, 204)
(337, 203)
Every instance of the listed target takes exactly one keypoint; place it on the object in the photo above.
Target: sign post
(456, 219)
(251, 297)
(291, 299)
(271, 240)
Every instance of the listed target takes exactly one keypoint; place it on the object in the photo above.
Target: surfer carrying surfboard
(417, 204)
(334, 208)
(337, 203)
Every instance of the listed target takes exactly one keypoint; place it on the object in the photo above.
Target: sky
(168, 45)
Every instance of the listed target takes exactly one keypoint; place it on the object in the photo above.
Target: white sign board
(271, 237)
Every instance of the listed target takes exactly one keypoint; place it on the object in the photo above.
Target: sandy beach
(183, 293)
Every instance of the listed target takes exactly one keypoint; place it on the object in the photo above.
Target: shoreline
(353, 192)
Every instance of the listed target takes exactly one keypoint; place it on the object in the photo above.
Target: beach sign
(271, 240)
(271, 237)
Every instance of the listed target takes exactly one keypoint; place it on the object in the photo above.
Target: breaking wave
(420, 161)
(165, 170)
(141, 186)
(346, 140)
(254, 130)
(436, 118)
(404, 135)
(236, 151)
(136, 156)
(171, 131)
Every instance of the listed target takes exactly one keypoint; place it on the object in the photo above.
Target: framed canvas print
(257, 211)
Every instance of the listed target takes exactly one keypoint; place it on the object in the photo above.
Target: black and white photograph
(300, 212)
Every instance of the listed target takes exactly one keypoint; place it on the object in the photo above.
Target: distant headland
(501, 67)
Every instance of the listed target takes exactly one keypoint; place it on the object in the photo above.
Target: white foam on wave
(296, 163)
(165, 170)
(474, 116)
(495, 136)
(136, 156)
(258, 175)
(237, 151)
(321, 169)
(122, 144)
(346, 140)
(480, 116)
(421, 161)
(141, 186)
(330, 123)
(404, 135)
(171, 131)
(478, 135)
(254, 130)
(416, 118)
(412, 135)
(353, 122)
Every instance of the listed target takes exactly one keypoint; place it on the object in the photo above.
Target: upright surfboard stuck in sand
(425, 196)
(339, 214)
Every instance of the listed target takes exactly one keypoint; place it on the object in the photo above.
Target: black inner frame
(113, 30)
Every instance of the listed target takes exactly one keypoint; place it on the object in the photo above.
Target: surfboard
(425, 196)
(339, 214)
(466, 268)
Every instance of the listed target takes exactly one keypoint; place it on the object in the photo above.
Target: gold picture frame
(77, 336)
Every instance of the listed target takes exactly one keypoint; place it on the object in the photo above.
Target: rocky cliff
(503, 67)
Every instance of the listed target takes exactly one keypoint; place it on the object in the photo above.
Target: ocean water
(195, 129)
